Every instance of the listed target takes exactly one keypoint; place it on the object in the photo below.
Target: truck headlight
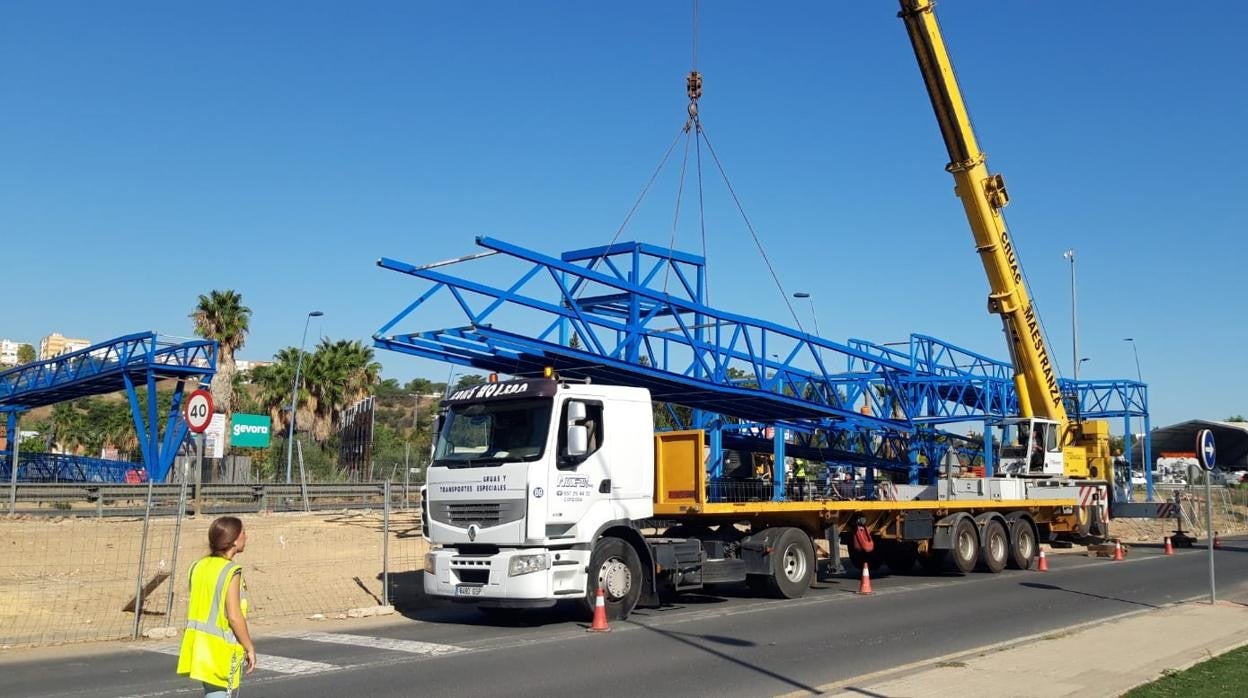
(524, 564)
(430, 567)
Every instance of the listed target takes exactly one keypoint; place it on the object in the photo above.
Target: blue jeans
(211, 691)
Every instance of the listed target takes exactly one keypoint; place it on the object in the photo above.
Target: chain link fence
(99, 562)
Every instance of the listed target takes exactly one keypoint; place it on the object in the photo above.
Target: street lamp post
(294, 392)
(1138, 376)
(814, 317)
(1074, 317)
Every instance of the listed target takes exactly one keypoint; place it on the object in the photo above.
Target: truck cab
(526, 476)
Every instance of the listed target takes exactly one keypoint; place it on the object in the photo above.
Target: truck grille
(484, 514)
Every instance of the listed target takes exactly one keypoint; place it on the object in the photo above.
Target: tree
(339, 373)
(221, 316)
(1237, 418)
(389, 388)
(273, 383)
(422, 386)
(468, 380)
(25, 354)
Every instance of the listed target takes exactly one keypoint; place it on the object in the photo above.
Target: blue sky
(157, 150)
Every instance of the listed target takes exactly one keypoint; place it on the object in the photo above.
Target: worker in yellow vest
(217, 647)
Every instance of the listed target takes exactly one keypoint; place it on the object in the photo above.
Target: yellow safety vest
(210, 652)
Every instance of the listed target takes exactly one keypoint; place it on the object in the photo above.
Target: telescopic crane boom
(1083, 445)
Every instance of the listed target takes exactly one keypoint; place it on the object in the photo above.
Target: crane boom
(1084, 445)
(983, 195)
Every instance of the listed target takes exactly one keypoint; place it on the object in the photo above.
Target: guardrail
(105, 499)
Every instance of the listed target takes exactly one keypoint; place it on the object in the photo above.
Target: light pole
(1138, 376)
(814, 317)
(294, 392)
(1074, 316)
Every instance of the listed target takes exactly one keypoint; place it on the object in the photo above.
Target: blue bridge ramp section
(131, 363)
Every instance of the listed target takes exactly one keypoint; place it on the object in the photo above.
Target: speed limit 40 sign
(198, 411)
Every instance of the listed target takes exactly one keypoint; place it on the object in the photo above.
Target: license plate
(468, 590)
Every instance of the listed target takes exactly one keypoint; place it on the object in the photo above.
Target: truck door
(577, 480)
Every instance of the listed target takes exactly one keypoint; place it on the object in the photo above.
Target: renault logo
(473, 530)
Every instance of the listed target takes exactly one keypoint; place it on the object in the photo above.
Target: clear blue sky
(156, 150)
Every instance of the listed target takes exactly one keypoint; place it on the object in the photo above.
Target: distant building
(8, 352)
(56, 344)
(244, 366)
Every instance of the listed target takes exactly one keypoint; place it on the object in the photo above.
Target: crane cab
(1032, 448)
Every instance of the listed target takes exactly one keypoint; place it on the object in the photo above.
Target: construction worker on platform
(798, 480)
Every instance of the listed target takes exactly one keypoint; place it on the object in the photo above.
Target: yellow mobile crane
(1051, 442)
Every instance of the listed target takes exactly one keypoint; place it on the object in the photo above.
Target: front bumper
(483, 579)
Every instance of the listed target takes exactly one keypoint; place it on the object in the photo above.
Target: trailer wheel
(995, 550)
(792, 565)
(615, 568)
(1023, 544)
(962, 557)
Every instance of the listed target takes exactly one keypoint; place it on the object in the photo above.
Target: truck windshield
(492, 433)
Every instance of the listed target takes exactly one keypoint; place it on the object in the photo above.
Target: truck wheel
(615, 568)
(792, 565)
(995, 550)
(1023, 545)
(1083, 523)
(962, 557)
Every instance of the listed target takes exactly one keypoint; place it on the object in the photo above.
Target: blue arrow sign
(1205, 451)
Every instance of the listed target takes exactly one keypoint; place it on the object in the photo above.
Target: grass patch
(1226, 675)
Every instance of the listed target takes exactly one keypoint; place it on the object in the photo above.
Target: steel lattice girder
(704, 358)
(934, 382)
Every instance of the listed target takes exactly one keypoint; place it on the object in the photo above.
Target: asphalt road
(727, 644)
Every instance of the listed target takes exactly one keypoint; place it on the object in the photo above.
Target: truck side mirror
(576, 411)
(578, 440)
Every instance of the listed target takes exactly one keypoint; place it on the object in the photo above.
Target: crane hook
(693, 86)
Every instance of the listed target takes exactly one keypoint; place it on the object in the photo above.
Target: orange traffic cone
(1217, 541)
(1117, 550)
(600, 615)
(1043, 565)
(1169, 547)
(864, 584)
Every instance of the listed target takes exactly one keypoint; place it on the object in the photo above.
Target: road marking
(268, 662)
(381, 643)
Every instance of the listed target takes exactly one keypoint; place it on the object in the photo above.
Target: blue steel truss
(671, 343)
(633, 314)
(60, 467)
(130, 363)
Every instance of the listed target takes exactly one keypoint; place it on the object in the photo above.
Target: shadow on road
(703, 643)
(1052, 587)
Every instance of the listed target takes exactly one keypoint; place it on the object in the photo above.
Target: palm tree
(273, 388)
(339, 373)
(221, 316)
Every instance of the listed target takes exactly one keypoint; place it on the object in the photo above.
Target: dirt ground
(69, 579)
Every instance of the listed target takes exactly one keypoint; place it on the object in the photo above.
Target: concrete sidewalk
(1103, 659)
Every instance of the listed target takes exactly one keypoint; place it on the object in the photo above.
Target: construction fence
(106, 561)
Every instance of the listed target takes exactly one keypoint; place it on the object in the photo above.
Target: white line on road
(267, 662)
(381, 643)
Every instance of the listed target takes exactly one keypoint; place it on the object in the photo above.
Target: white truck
(542, 490)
